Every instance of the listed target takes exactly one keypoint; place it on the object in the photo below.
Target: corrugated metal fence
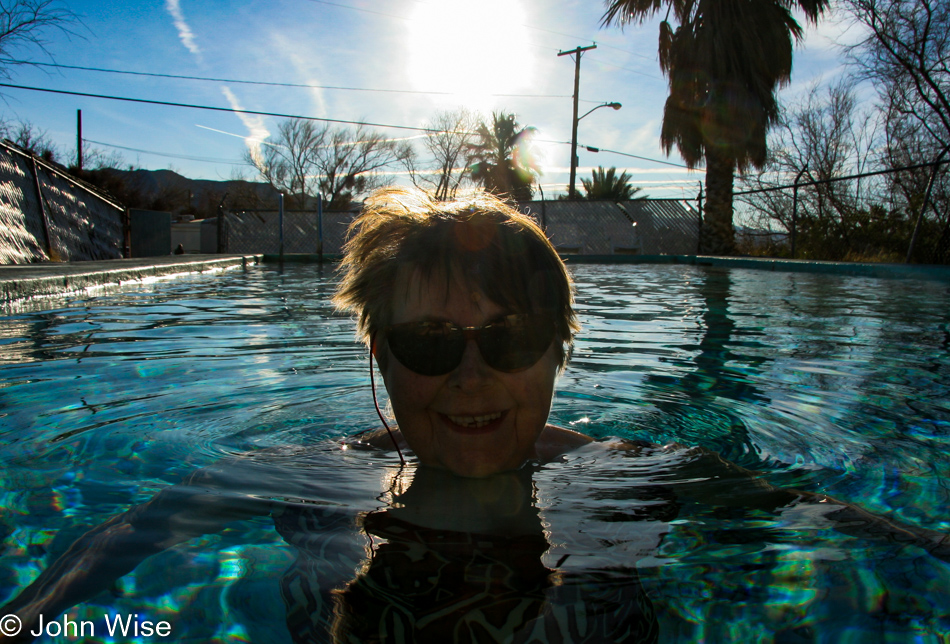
(636, 227)
(47, 215)
(642, 227)
(258, 231)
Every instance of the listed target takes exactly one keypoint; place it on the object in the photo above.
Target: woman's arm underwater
(197, 506)
(710, 479)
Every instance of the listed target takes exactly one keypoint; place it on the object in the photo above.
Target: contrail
(255, 124)
(184, 31)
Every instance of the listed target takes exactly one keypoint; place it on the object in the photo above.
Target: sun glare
(472, 48)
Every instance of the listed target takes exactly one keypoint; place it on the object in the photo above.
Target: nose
(472, 372)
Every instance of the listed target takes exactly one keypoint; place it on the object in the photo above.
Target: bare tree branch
(24, 25)
(288, 161)
(340, 164)
(906, 54)
(455, 131)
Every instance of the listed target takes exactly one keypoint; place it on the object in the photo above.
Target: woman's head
(403, 236)
(469, 310)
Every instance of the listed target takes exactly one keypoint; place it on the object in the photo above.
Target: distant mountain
(168, 190)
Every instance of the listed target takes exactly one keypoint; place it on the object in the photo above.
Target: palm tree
(501, 157)
(724, 62)
(607, 185)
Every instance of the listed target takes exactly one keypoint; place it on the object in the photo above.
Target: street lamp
(571, 192)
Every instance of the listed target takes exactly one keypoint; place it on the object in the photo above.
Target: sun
(471, 48)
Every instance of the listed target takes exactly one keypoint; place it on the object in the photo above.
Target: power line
(293, 116)
(217, 109)
(378, 13)
(390, 15)
(626, 69)
(634, 156)
(547, 31)
(844, 178)
(165, 154)
(592, 148)
(269, 83)
(599, 44)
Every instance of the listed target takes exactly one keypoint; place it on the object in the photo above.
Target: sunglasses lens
(517, 342)
(429, 349)
(512, 344)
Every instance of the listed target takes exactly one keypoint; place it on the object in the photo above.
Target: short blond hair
(477, 239)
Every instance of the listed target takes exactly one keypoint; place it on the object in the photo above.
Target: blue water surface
(823, 383)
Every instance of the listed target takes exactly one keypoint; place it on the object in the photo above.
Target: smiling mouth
(484, 421)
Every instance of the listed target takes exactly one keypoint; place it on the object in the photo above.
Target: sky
(395, 63)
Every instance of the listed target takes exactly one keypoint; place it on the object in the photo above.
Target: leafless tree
(30, 138)
(96, 158)
(907, 55)
(353, 162)
(24, 24)
(289, 160)
(824, 136)
(305, 159)
(243, 192)
(452, 134)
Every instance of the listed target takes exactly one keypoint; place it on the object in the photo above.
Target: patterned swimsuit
(416, 584)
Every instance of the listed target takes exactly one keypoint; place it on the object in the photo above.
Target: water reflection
(668, 359)
(707, 402)
(455, 560)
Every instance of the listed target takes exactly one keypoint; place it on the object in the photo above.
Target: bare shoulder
(555, 441)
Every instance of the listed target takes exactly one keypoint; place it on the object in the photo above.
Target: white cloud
(184, 31)
(258, 132)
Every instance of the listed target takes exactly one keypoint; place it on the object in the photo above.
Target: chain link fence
(826, 219)
(637, 227)
(302, 231)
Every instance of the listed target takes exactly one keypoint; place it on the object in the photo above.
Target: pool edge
(854, 269)
(863, 269)
(24, 281)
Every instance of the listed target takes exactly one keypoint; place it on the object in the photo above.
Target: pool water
(824, 383)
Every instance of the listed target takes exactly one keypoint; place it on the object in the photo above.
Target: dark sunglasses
(511, 344)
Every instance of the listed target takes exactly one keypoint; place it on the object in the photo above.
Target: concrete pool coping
(856, 269)
(23, 281)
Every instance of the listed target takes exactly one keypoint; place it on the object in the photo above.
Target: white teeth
(475, 421)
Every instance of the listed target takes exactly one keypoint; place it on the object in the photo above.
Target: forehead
(417, 295)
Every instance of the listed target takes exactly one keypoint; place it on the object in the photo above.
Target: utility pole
(79, 139)
(577, 80)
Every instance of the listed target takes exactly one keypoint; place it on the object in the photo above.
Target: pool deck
(24, 281)
(855, 269)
